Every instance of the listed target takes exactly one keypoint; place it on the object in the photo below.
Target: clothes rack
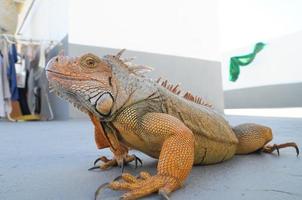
(48, 46)
(24, 40)
(13, 39)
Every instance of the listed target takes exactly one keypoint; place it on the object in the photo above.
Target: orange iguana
(131, 111)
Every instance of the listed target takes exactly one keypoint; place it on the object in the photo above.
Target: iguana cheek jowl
(103, 103)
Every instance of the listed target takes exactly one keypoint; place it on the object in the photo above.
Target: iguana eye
(89, 61)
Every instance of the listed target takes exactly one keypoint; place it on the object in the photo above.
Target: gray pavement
(49, 160)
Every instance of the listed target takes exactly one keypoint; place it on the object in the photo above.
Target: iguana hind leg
(175, 159)
(254, 137)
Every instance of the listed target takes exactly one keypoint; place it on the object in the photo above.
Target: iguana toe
(277, 147)
(103, 158)
(107, 164)
(144, 185)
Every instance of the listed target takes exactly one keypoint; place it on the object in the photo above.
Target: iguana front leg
(121, 156)
(175, 160)
(120, 151)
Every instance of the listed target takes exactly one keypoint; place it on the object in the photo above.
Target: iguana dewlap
(131, 111)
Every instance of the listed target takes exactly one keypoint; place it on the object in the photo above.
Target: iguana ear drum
(104, 103)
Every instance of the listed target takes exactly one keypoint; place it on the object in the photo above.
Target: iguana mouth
(66, 76)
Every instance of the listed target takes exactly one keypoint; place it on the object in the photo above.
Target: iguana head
(85, 81)
(94, 85)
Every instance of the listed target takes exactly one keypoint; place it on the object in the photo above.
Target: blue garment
(11, 72)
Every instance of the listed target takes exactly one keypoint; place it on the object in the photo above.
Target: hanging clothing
(33, 79)
(37, 96)
(22, 77)
(23, 101)
(21, 72)
(13, 58)
(42, 57)
(5, 95)
(23, 82)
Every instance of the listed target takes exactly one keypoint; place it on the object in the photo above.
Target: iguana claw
(163, 194)
(99, 189)
(104, 186)
(122, 166)
(117, 178)
(137, 159)
(94, 167)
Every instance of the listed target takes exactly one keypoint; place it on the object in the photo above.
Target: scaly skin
(130, 111)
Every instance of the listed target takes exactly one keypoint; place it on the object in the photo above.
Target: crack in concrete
(277, 191)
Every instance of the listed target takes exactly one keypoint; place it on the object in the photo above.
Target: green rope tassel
(237, 61)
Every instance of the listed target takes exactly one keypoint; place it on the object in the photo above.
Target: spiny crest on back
(138, 70)
(175, 89)
(171, 87)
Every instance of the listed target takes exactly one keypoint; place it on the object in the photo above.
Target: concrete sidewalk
(49, 160)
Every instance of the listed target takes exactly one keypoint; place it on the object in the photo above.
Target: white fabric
(21, 73)
(5, 95)
(42, 59)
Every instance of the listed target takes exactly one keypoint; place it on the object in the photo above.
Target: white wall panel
(176, 27)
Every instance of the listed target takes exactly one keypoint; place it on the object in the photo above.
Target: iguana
(129, 110)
